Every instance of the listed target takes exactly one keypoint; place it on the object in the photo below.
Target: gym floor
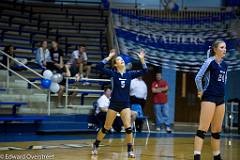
(154, 146)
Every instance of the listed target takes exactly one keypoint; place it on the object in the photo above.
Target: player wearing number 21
(211, 92)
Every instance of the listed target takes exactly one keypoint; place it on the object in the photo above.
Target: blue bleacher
(14, 105)
(23, 118)
(8, 118)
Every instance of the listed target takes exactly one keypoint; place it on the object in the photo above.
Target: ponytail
(209, 52)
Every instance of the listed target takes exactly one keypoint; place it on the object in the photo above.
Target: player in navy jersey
(214, 73)
(120, 98)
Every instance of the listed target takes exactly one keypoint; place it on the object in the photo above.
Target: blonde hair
(215, 44)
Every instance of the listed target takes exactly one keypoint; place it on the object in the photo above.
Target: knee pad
(128, 130)
(201, 134)
(216, 135)
(104, 130)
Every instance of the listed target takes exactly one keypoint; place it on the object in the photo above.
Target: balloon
(54, 78)
(47, 74)
(126, 58)
(54, 87)
(45, 83)
(60, 77)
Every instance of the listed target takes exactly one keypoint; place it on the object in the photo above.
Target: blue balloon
(126, 58)
(45, 83)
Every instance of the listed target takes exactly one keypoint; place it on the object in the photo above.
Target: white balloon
(54, 87)
(60, 77)
(47, 74)
(54, 78)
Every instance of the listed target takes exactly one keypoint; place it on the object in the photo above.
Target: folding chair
(140, 115)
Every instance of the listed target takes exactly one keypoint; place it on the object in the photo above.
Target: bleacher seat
(26, 24)
(14, 105)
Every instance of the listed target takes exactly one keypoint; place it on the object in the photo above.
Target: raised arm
(138, 73)
(100, 65)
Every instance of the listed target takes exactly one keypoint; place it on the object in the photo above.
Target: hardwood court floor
(151, 148)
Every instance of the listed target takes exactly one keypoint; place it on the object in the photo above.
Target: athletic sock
(96, 143)
(130, 147)
(215, 153)
(197, 155)
(197, 152)
(217, 157)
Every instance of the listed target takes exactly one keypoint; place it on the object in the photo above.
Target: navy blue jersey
(215, 76)
(121, 82)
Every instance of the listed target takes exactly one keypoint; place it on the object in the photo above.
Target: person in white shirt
(43, 54)
(138, 95)
(102, 107)
(104, 101)
(138, 88)
(79, 62)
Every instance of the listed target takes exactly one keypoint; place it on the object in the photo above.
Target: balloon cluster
(50, 81)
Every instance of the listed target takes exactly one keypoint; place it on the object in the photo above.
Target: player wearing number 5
(120, 98)
(214, 73)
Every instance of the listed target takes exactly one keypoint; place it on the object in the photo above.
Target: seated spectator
(43, 54)
(138, 95)
(56, 55)
(66, 73)
(78, 63)
(10, 51)
(102, 106)
(56, 65)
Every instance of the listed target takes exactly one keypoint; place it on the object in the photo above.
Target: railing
(161, 5)
(22, 77)
(156, 14)
(232, 113)
(25, 3)
(80, 90)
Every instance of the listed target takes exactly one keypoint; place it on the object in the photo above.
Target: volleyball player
(214, 72)
(120, 99)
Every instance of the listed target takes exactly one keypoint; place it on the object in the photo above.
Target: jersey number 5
(122, 84)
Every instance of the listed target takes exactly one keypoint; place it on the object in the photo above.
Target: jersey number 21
(221, 77)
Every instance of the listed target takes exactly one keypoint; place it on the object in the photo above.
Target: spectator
(103, 103)
(53, 60)
(160, 99)
(102, 107)
(138, 95)
(10, 51)
(66, 73)
(56, 55)
(56, 65)
(43, 54)
(79, 62)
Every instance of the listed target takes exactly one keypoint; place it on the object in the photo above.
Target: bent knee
(216, 130)
(202, 128)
